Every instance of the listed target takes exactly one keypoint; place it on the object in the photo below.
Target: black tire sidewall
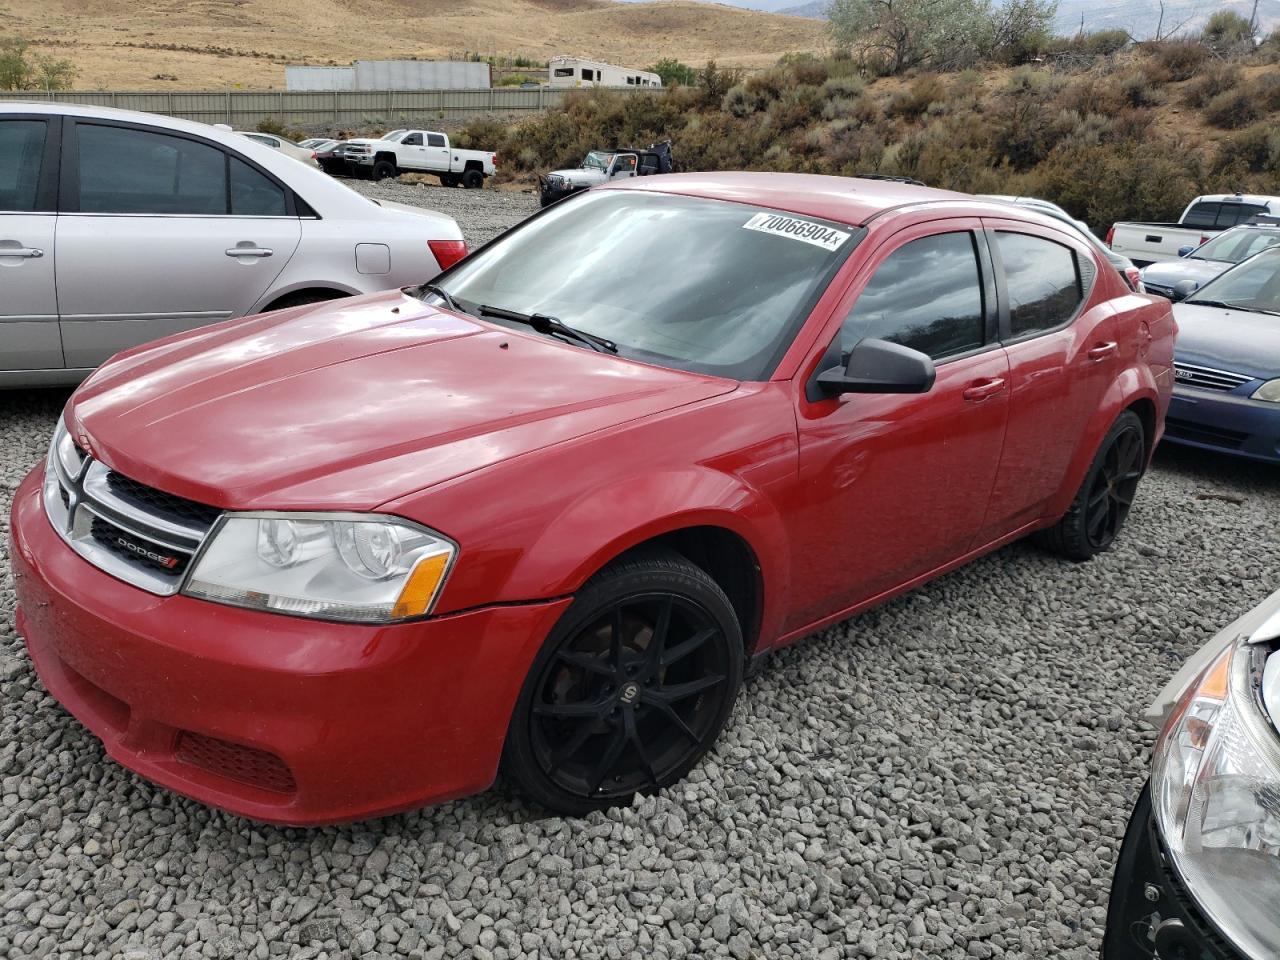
(473, 179)
(667, 573)
(1075, 523)
(384, 170)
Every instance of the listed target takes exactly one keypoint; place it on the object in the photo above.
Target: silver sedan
(117, 228)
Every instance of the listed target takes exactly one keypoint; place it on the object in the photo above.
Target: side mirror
(1183, 289)
(878, 366)
(1185, 251)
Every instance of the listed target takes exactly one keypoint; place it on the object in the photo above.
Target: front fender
(598, 527)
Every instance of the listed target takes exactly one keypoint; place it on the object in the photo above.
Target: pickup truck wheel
(1098, 512)
(448, 180)
(384, 169)
(631, 689)
(473, 179)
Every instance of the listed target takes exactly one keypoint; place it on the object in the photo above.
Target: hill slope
(119, 44)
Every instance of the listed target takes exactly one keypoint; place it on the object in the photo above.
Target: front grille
(162, 504)
(1178, 429)
(1207, 378)
(258, 768)
(134, 532)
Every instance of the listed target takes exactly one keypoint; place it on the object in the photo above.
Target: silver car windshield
(1253, 285)
(596, 160)
(702, 285)
(1233, 246)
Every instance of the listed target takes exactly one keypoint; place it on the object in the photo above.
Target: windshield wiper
(450, 300)
(550, 325)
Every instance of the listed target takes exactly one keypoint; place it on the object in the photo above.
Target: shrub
(1213, 80)
(912, 101)
(20, 69)
(1137, 90)
(843, 87)
(1228, 33)
(1266, 91)
(278, 128)
(1099, 43)
(1233, 109)
(715, 83)
(742, 103)
(1253, 150)
(1178, 59)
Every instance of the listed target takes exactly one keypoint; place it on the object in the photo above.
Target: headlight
(1216, 794)
(1268, 391)
(357, 567)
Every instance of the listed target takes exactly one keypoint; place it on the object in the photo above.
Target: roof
(848, 200)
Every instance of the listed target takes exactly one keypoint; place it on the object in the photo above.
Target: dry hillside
(122, 44)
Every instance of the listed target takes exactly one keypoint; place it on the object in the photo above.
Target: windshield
(597, 160)
(702, 285)
(395, 136)
(1253, 285)
(1234, 246)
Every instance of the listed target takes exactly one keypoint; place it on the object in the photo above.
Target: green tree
(674, 73)
(1020, 29)
(897, 35)
(20, 69)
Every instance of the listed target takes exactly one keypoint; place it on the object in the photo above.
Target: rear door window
(1043, 282)
(125, 170)
(926, 295)
(254, 195)
(21, 156)
(435, 139)
(1204, 214)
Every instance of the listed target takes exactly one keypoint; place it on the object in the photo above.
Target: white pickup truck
(420, 151)
(1146, 243)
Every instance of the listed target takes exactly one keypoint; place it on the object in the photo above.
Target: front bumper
(549, 193)
(1224, 422)
(276, 718)
(1151, 914)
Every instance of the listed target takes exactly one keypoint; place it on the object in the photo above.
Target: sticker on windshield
(794, 229)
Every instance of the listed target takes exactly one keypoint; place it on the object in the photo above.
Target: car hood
(1167, 273)
(579, 176)
(1231, 340)
(352, 403)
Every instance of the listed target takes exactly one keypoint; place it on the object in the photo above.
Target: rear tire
(384, 169)
(473, 179)
(631, 688)
(448, 179)
(1098, 512)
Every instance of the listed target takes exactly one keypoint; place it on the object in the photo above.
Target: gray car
(1217, 255)
(1124, 266)
(118, 227)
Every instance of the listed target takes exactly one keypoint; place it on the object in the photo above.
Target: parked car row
(1203, 218)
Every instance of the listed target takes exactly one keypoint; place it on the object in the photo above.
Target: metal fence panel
(244, 109)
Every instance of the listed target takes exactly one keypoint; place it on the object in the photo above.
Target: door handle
(249, 251)
(26, 253)
(1102, 350)
(983, 389)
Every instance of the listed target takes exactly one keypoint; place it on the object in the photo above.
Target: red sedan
(352, 558)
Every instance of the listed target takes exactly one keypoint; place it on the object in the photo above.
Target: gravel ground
(482, 214)
(947, 776)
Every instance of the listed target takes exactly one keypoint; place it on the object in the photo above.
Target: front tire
(630, 690)
(385, 169)
(1098, 512)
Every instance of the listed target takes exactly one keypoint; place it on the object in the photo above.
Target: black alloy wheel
(1101, 506)
(1114, 487)
(384, 170)
(631, 689)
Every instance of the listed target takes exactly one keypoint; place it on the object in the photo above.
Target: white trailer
(576, 72)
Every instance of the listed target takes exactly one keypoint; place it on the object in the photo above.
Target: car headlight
(1268, 391)
(1216, 793)
(333, 566)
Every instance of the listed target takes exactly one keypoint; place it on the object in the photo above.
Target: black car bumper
(548, 194)
(1151, 913)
